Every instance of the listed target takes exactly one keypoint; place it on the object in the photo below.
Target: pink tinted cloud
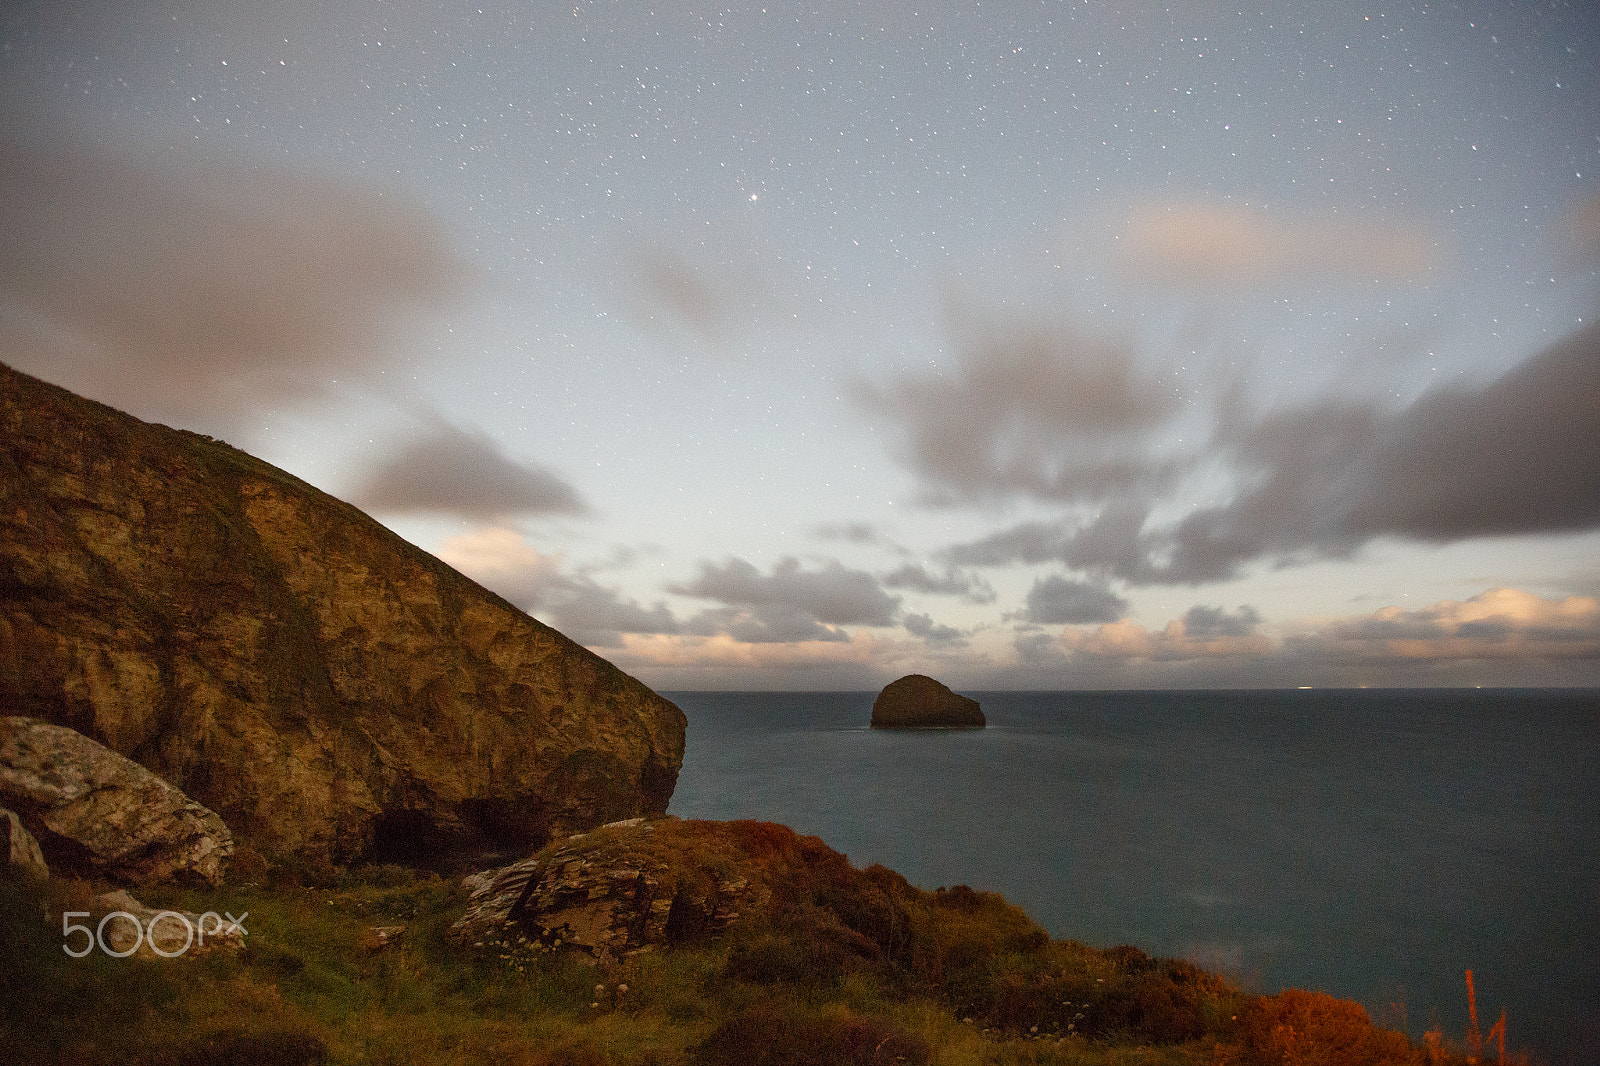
(1211, 246)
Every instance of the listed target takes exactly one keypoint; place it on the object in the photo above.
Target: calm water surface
(1373, 844)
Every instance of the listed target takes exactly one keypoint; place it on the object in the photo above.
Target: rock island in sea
(918, 700)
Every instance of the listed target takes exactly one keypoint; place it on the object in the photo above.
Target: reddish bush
(1296, 1028)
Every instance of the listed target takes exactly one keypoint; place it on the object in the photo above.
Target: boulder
(641, 885)
(329, 689)
(165, 933)
(95, 811)
(21, 850)
(918, 700)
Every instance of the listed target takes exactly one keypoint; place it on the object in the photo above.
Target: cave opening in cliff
(407, 838)
(484, 832)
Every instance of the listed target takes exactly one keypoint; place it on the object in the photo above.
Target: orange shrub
(1297, 1028)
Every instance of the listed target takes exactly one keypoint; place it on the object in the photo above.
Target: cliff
(324, 686)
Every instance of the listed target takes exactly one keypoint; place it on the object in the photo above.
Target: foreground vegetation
(856, 967)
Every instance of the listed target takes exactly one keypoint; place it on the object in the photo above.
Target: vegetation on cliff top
(850, 966)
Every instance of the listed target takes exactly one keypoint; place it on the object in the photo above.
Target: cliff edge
(326, 687)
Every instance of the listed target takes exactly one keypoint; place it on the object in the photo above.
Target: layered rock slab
(327, 688)
(918, 700)
(97, 812)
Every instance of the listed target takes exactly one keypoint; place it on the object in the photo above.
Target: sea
(1373, 844)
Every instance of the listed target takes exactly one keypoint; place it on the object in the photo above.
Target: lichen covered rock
(327, 688)
(918, 700)
(95, 811)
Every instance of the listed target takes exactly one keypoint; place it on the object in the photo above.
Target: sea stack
(918, 700)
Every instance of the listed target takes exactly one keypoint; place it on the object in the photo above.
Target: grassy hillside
(863, 968)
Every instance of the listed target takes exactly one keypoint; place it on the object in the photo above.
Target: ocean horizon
(1371, 843)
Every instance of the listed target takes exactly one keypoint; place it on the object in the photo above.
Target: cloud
(790, 604)
(575, 604)
(1202, 633)
(922, 625)
(1210, 246)
(1519, 455)
(1033, 410)
(915, 576)
(1499, 623)
(203, 294)
(501, 561)
(1585, 228)
(1214, 623)
(850, 532)
(599, 617)
(672, 285)
(1055, 600)
(1501, 636)
(454, 471)
(862, 662)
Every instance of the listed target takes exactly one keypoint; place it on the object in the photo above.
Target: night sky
(1025, 344)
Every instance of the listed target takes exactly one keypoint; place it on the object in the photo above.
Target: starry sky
(1024, 343)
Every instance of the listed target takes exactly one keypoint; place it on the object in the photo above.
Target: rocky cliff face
(324, 686)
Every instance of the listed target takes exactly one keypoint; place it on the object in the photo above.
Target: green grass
(859, 968)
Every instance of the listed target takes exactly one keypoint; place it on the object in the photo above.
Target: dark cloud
(1031, 410)
(767, 623)
(1520, 455)
(850, 532)
(449, 470)
(597, 617)
(1039, 649)
(1056, 600)
(788, 604)
(916, 577)
(922, 625)
(1109, 542)
(1212, 623)
(203, 294)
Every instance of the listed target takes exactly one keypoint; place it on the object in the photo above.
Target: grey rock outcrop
(94, 811)
(327, 688)
(918, 700)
